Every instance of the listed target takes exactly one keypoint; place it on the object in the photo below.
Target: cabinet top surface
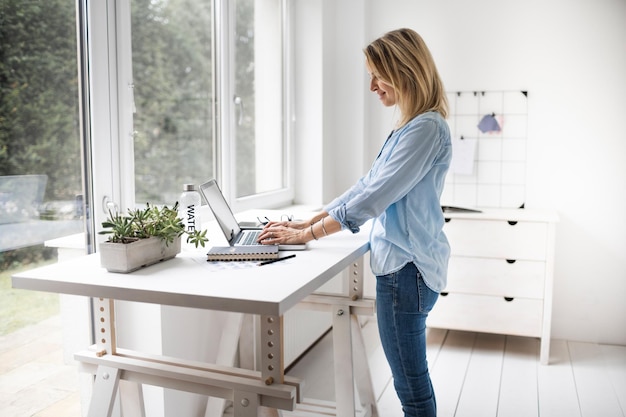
(531, 215)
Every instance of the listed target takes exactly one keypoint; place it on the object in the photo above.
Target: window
(205, 98)
(41, 178)
(258, 98)
(173, 93)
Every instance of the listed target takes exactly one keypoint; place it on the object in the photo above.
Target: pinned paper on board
(463, 151)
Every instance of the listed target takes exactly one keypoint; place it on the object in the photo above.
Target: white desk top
(189, 280)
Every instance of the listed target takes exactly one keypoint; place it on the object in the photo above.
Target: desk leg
(226, 352)
(107, 380)
(104, 391)
(131, 399)
(344, 369)
(348, 349)
(362, 376)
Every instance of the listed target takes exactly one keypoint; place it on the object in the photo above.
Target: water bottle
(189, 208)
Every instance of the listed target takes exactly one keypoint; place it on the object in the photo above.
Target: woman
(401, 191)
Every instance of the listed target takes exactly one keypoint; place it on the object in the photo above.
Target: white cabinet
(500, 274)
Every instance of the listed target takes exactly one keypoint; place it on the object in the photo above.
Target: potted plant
(144, 237)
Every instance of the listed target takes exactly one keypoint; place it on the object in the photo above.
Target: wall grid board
(489, 134)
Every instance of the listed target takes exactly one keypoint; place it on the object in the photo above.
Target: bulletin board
(489, 139)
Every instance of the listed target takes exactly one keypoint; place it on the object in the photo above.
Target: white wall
(570, 56)
(329, 126)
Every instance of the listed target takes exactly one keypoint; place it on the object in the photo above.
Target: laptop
(236, 234)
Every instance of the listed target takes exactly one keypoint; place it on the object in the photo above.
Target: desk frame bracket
(272, 362)
(356, 280)
(104, 325)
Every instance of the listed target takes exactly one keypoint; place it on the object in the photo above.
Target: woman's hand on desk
(286, 233)
(291, 224)
(298, 231)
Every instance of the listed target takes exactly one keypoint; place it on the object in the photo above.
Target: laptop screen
(221, 210)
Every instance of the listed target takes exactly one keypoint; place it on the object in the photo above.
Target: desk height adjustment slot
(104, 325)
(355, 280)
(272, 366)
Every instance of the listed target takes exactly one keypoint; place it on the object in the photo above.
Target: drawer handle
(447, 219)
(443, 294)
(510, 261)
(508, 299)
(512, 222)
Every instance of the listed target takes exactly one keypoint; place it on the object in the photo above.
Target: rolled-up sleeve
(401, 165)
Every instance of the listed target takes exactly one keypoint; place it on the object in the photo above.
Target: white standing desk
(188, 280)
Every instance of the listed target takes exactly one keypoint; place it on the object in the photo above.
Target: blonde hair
(402, 59)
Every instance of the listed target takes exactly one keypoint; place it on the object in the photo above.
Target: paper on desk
(221, 266)
(463, 151)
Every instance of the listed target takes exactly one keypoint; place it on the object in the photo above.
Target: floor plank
(481, 388)
(449, 370)
(556, 388)
(316, 369)
(595, 391)
(434, 342)
(379, 368)
(66, 407)
(380, 371)
(518, 390)
(389, 403)
(615, 360)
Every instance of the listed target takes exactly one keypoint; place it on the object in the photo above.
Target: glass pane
(173, 87)
(258, 97)
(40, 148)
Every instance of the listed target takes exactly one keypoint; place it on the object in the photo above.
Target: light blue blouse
(401, 193)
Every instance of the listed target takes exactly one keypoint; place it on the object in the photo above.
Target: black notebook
(242, 253)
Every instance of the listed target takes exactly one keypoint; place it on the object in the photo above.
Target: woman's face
(385, 92)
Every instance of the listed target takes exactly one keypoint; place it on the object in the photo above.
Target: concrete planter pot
(128, 257)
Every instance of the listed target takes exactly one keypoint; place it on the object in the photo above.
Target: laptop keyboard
(249, 238)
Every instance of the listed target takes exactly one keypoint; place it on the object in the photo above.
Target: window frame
(225, 151)
(112, 101)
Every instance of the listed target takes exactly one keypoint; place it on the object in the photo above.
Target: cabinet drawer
(498, 277)
(497, 239)
(520, 317)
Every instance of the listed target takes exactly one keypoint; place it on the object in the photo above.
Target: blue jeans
(402, 304)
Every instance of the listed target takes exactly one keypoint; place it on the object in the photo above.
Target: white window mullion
(126, 105)
(267, 111)
(103, 94)
(224, 61)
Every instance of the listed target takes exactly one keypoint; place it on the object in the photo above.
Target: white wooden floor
(483, 375)
(474, 374)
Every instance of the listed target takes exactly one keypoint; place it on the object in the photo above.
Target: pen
(271, 261)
